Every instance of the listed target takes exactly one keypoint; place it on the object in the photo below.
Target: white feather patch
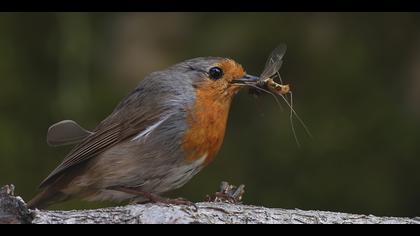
(149, 129)
(200, 161)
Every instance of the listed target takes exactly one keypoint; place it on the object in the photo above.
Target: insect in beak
(265, 83)
(247, 79)
(277, 88)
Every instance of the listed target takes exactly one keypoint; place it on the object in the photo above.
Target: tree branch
(13, 210)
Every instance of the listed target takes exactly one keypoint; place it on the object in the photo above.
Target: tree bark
(13, 210)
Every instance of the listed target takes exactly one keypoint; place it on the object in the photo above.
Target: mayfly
(268, 85)
(271, 70)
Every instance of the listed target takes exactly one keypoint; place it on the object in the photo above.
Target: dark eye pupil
(215, 73)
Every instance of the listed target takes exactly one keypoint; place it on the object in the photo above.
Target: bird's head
(219, 77)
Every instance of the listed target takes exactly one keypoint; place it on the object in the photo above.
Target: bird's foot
(151, 197)
(228, 193)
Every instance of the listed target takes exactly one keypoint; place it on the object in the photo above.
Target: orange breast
(207, 124)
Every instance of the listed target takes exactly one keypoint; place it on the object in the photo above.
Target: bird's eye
(215, 73)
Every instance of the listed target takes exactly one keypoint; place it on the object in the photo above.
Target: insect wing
(274, 62)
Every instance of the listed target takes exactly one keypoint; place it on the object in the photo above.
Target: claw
(153, 197)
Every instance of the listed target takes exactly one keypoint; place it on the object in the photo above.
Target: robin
(156, 139)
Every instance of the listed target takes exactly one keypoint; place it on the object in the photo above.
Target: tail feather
(46, 198)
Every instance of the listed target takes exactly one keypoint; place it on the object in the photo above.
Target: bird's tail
(45, 198)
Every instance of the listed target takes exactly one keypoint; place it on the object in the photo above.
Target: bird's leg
(153, 197)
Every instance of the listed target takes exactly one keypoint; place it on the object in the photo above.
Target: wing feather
(134, 114)
(105, 136)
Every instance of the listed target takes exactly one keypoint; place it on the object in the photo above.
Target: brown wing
(118, 126)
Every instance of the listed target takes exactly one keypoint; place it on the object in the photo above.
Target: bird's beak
(247, 79)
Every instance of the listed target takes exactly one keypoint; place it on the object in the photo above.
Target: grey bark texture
(13, 210)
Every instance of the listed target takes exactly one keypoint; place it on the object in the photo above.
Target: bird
(157, 138)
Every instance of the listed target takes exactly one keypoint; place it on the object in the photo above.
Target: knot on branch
(13, 209)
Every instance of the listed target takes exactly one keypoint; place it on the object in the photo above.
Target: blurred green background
(355, 77)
